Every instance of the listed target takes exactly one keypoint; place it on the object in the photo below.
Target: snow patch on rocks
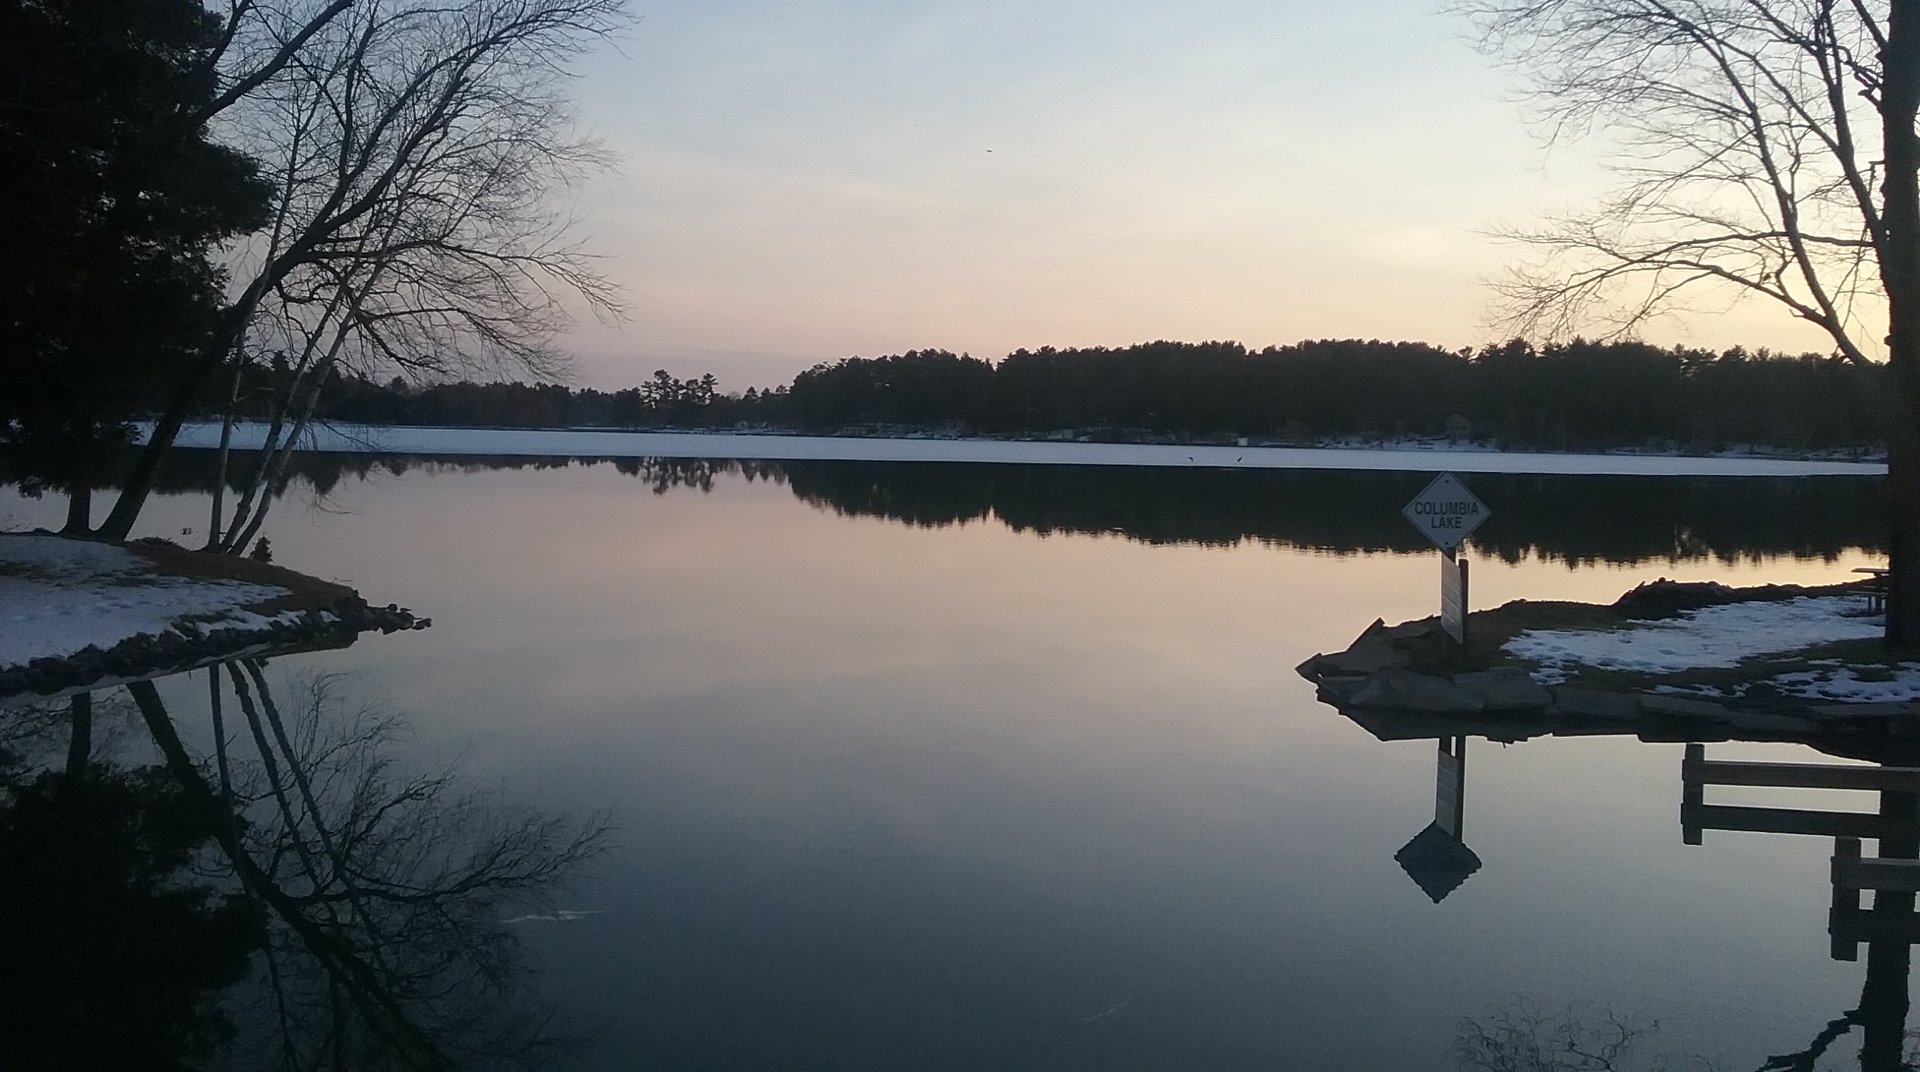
(1842, 685)
(60, 596)
(1710, 637)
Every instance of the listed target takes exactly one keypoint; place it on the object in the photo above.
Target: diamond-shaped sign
(1447, 512)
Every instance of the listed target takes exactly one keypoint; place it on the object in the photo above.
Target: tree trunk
(273, 467)
(146, 465)
(1903, 534)
(220, 471)
(1900, 272)
(79, 512)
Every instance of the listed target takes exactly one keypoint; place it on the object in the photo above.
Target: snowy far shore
(622, 444)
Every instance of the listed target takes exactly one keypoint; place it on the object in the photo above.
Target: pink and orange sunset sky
(804, 180)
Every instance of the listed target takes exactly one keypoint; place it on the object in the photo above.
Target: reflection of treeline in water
(1578, 394)
(189, 471)
(1567, 518)
(1576, 519)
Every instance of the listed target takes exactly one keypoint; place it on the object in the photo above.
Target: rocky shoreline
(1398, 683)
(76, 611)
(183, 648)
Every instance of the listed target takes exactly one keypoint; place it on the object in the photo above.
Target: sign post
(1448, 513)
(1453, 597)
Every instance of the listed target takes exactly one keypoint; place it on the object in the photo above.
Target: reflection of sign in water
(1450, 786)
(1446, 512)
(1438, 864)
(1436, 859)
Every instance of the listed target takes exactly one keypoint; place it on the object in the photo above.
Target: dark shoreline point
(1396, 683)
(314, 615)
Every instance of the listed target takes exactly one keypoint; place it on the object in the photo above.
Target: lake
(944, 766)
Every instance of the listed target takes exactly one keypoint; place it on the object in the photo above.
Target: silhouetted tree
(115, 198)
(1765, 150)
(411, 148)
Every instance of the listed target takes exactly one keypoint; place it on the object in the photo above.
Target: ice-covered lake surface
(1006, 766)
(1419, 458)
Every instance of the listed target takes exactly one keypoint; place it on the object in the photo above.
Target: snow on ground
(60, 596)
(1841, 685)
(618, 444)
(1711, 637)
(1719, 638)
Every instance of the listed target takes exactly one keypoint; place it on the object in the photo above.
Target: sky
(798, 181)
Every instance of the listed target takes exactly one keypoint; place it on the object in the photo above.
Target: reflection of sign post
(1450, 787)
(1448, 513)
(1436, 859)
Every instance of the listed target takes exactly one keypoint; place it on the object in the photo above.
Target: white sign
(1447, 512)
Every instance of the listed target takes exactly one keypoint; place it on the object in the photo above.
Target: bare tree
(1765, 148)
(415, 150)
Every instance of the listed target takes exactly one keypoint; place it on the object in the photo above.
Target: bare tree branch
(1731, 126)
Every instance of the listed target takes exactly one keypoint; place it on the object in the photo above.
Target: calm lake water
(981, 767)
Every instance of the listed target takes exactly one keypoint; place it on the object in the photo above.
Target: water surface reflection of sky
(892, 796)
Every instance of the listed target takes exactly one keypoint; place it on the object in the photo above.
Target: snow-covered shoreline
(398, 439)
(75, 612)
(61, 596)
(1721, 637)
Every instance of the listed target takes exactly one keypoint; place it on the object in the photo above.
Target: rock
(1400, 689)
(1579, 703)
(1506, 688)
(1337, 688)
(1661, 705)
(1840, 712)
(1413, 630)
(162, 652)
(1372, 650)
(1665, 599)
(89, 663)
(1772, 724)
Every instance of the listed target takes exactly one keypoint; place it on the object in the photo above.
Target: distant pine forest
(1565, 396)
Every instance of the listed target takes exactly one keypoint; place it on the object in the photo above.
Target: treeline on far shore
(1573, 395)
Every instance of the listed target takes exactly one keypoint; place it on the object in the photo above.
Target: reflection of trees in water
(697, 474)
(1572, 519)
(294, 900)
(319, 474)
(1556, 518)
(1521, 1038)
(115, 950)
